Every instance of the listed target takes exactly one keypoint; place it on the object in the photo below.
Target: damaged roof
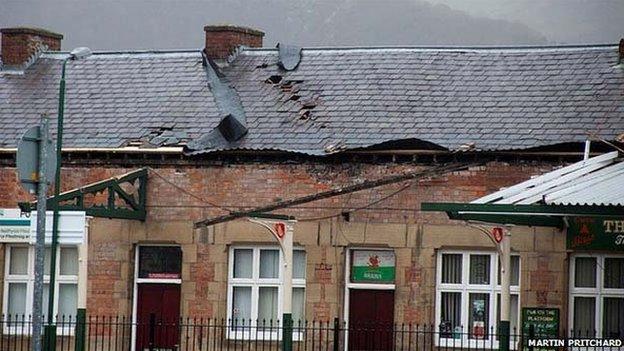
(332, 100)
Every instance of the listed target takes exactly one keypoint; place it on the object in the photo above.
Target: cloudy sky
(175, 24)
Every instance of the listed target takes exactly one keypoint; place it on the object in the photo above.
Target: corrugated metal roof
(596, 181)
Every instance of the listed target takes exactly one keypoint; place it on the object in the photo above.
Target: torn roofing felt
(233, 125)
(289, 56)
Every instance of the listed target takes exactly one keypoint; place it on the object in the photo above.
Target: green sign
(587, 233)
(545, 322)
(372, 266)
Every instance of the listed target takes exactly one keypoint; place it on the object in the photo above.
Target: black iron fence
(115, 333)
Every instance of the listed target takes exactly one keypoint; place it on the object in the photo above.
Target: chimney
(222, 40)
(21, 44)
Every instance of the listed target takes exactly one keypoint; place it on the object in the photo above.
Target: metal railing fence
(119, 333)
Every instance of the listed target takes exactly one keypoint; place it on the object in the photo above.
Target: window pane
(585, 272)
(19, 260)
(69, 261)
(46, 260)
(160, 262)
(450, 317)
(584, 316)
(267, 305)
(613, 321)
(299, 264)
(515, 271)
(17, 299)
(614, 273)
(269, 264)
(479, 269)
(452, 268)
(241, 305)
(298, 307)
(513, 315)
(478, 314)
(243, 259)
(67, 301)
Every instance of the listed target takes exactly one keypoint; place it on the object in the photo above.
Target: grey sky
(167, 24)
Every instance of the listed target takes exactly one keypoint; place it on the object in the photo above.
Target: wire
(186, 191)
(359, 208)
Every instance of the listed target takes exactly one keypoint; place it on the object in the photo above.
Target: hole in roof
(294, 97)
(274, 79)
(308, 105)
(304, 115)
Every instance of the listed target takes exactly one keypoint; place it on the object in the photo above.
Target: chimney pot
(222, 40)
(19, 44)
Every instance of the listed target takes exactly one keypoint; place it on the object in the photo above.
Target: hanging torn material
(233, 124)
(289, 56)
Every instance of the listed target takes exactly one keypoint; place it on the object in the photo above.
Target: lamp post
(50, 329)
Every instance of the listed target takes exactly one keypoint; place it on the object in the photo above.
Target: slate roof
(336, 99)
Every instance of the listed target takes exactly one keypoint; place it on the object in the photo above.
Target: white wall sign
(13, 227)
(18, 229)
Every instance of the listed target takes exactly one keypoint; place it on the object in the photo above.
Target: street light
(50, 330)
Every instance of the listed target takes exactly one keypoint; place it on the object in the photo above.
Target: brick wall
(221, 41)
(19, 44)
(246, 185)
(395, 222)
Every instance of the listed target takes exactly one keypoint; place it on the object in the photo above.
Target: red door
(371, 318)
(158, 315)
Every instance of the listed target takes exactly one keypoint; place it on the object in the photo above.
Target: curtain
(67, 301)
(299, 264)
(298, 307)
(479, 269)
(614, 273)
(513, 315)
(452, 268)
(613, 319)
(17, 300)
(585, 272)
(243, 265)
(241, 305)
(267, 305)
(46, 298)
(19, 261)
(515, 270)
(69, 261)
(450, 317)
(584, 316)
(269, 264)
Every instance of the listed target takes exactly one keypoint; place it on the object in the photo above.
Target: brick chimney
(222, 40)
(20, 44)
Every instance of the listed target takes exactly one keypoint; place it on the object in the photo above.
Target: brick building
(236, 126)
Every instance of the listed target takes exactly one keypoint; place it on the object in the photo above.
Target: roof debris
(289, 56)
(233, 125)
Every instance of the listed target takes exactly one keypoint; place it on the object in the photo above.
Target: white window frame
(137, 281)
(255, 282)
(364, 286)
(493, 289)
(29, 280)
(598, 292)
